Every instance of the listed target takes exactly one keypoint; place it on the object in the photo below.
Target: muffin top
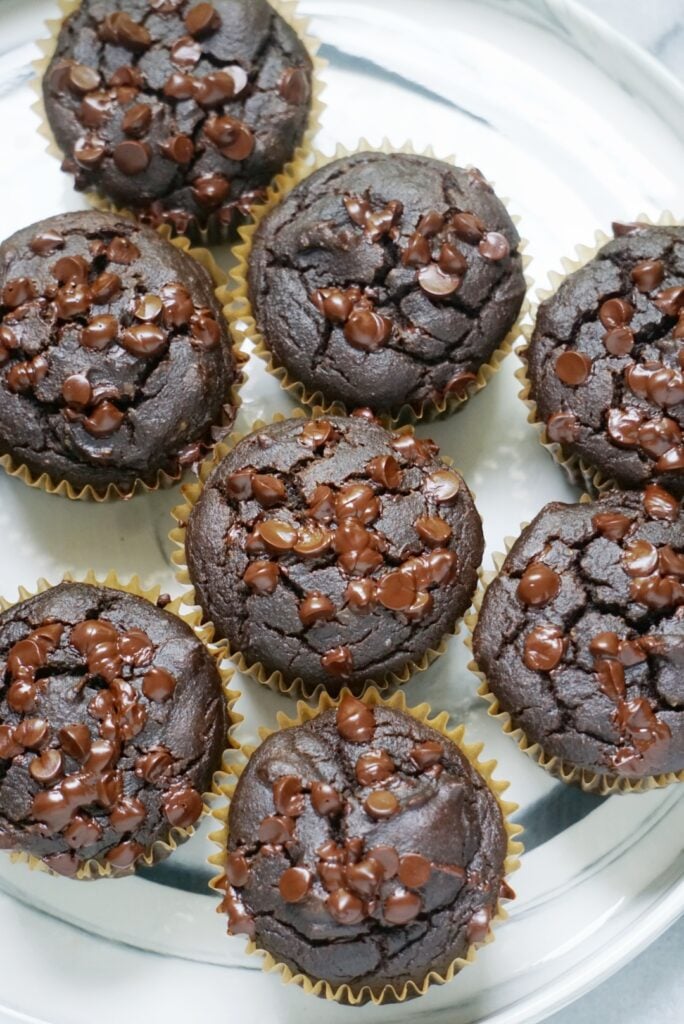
(581, 636)
(333, 551)
(339, 863)
(112, 722)
(606, 360)
(115, 360)
(386, 280)
(180, 111)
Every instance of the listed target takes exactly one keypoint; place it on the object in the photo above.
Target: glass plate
(579, 128)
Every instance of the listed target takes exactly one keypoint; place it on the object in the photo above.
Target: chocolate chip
(75, 741)
(426, 754)
(46, 767)
(573, 368)
(202, 19)
(182, 807)
(294, 884)
(345, 908)
(237, 869)
(268, 490)
(338, 662)
(158, 684)
(433, 530)
(396, 591)
(671, 300)
(374, 767)
(468, 227)
(46, 243)
(615, 313)
(381, 804)
(214, 89)
(99, 332)
(316, 607)
(185, 52)
(146, 340)
(211, 190)
(619, 341)
(367, 330)
(562, 427)
(105, 287)
(436, 283)
(417, 252)
(325, 799)
(355, 720)
(659, 504)
(294, 86)
(538, 585)
(179, 148)
(287, 796)
(104, 420)
(494, 246)
(132, 157)
(17, 291)
(231, 137)
(83, 79)
(76, 390)
(414, 870)
(385, 470)
(647, 274)
(544, 648)
(261, 577)
(276, 829)
(478, 926)
(443, 486)
(401, 907)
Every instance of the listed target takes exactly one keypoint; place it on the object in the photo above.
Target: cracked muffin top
(386, 280)
(115, 359)
(339, 863)
(179, 111)
(112, 722)
(333, 551)
(606, 359)
(581, 636)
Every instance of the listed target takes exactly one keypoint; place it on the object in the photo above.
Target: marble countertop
(650, 988)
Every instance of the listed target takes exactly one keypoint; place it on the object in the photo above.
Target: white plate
(578, 127)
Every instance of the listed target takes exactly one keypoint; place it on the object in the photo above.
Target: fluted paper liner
(225, 787)
(579, 470)
(161, 849)
(192, 493)
(243, 323)
(590, 781)
(64, 489)
(214, 233)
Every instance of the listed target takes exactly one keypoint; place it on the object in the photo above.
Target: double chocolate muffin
(606, 359)
(112, 722)
(386, 281)
(115, 359)
(332, 551)
(179, 111)
(364, 850)
(581, 636)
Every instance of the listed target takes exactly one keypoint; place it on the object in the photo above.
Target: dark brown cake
(332, 551)
(115, 359)
(364, 849)
(180, 111)
(606, 360)
(112, 722)
(386, 280)
(581, 636)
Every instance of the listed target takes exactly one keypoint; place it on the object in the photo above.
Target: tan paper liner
(225, 787)
(214, 233)
(590, 781)
(160, 850)
(112, 492)
(275, 680)
(240, 315)
(578, 470)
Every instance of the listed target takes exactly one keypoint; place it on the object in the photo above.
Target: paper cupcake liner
(590, 781)
(214, 233)
(243, 323)
(579, 470)
(64, 489)
(255, 669)
(225, 787)
(160, 849)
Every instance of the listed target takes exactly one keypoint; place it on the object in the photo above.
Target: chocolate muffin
(182, 112)
(333, 552)
(386, 281)
(606, 359)
(112, 722)
(339, 863)
(115, 360)
(581, 636)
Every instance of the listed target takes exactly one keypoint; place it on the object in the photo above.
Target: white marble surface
(651, 988)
